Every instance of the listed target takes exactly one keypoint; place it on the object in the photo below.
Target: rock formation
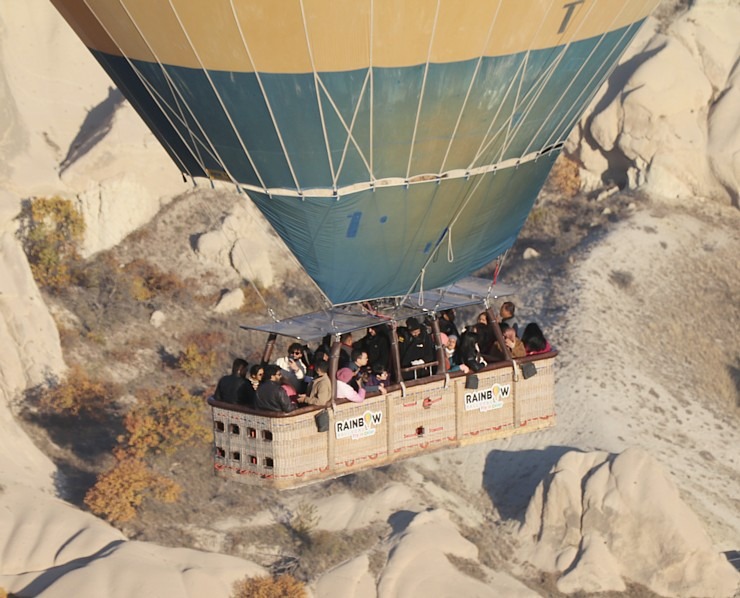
(667, 118)
(601, 519)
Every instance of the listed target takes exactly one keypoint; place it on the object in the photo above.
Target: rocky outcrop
(668, 118)
(67, 131)
(48, 548)
(30, 352)
(601, 520)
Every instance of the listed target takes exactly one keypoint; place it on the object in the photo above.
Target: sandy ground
(645, 360)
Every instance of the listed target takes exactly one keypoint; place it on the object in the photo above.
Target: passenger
(345, 350)
(512, 341)
(534, 340)
(344, 390)
(319, 392)
(507, 317)
(443, 340)
(468, 354)
(417, 349)
(270, 395)
(255, 375)
(379, 377)
(234, 388)
(359, 366)
(447, 323)
(289, 389)
(318, 356)
(376, 344)
(451, 353)
(324, 345)
(486, 336)
(294, 364)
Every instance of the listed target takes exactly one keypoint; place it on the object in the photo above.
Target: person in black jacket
(416, 348)
(235, 388)
(376, 344)
(271, 396)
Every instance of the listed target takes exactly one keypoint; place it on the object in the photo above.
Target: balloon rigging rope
(593, 89)
(483, 145)
(154, 97)
(543, 84)
(520, 76)
(349, 129)
(318, 95)
(153, 94)
(219, 98)
(372, 85)
(267, 103)
(214, 151)
(470, 86)
(228, 116)
(573, 78)
(423, 89)
(469, 195)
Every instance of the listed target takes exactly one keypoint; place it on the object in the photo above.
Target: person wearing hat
(344, 390)
(417, 349)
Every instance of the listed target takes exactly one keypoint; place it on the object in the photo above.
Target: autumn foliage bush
(160, 422)
(565, 177)
(52, 231)
(203, 350)
(285, 586)
(119, 492)
(147, 281)
(77, 394)
(164, 420)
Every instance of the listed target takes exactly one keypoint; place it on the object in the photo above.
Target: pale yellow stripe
(339, 30)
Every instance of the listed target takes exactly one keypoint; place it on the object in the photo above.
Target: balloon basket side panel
(278, 452)
(288, 451)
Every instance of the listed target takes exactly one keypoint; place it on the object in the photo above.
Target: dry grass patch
(284, 586)
(468, 567)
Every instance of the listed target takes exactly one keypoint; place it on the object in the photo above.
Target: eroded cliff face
(30, 353)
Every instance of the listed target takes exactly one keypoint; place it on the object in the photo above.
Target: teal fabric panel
(374, 244)
(515, 105)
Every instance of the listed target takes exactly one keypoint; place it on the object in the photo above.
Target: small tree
(77, 393)
(202, 352)
(285, 586)
(52, 231)
(119, 492)
(164, 420)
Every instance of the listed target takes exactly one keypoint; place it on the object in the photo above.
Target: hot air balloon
(411, 134)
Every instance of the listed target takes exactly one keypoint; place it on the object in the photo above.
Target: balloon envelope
(394, 145)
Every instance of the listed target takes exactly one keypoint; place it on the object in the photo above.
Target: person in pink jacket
(344, 390)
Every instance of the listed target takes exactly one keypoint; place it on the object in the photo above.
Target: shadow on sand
(511, 477)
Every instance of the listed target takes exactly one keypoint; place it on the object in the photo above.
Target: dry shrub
(621, 279)
(257, 298)
(52, 231)
(468, 567)
(324, 549)
(147, 281)
(564, 177)
(76, 394)
(164, 420)
(119, 492)
(304, 520)
(284, 586)
(202, 352)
